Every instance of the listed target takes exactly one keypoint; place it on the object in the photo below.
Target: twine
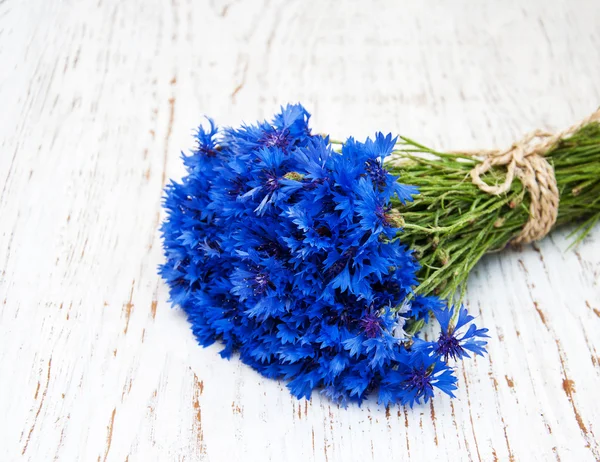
(525, 160)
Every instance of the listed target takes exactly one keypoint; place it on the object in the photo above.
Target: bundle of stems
(452, 223)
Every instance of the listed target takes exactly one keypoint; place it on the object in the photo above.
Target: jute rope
(525, 161)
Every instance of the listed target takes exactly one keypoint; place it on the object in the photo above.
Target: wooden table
(97, 99)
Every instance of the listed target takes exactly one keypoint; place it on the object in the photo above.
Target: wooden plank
(97, 100)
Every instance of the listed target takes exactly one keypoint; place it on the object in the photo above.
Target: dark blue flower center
(371, 325)
(272, 182)
(237, 187)
(261, 283)
(448, 346)
(376, 171)
(339, 265)
(328, 205)
(420, 379)
(272, 248)
(276, 138)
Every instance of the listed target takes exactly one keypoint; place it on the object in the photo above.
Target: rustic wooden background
(96, 101)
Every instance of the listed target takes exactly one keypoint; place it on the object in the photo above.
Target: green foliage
(452, 223)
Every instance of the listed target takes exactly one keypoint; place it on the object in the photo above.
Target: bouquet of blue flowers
(320, 262)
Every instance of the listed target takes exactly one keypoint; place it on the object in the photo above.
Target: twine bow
(525, 160)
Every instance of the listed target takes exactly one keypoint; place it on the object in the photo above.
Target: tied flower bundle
(320, 262)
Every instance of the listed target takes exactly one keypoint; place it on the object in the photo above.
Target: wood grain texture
(96, 101)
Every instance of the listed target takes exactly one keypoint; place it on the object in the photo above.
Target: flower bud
(443, 257)
(395, 219)
(499, 222)
(295, 176)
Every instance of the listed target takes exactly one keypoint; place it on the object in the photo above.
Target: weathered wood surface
(97, 99)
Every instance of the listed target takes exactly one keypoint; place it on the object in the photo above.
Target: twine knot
(525, 160)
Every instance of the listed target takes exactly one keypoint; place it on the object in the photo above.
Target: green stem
(451, 224)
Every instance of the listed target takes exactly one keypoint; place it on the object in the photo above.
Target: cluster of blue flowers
(285, 251)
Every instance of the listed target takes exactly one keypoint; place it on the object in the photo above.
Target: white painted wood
(97, 99)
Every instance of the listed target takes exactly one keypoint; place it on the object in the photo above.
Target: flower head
(414, 380)
(452, 344)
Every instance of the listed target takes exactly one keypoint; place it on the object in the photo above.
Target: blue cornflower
(415, 378)
(283, 251)
(450, 343)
